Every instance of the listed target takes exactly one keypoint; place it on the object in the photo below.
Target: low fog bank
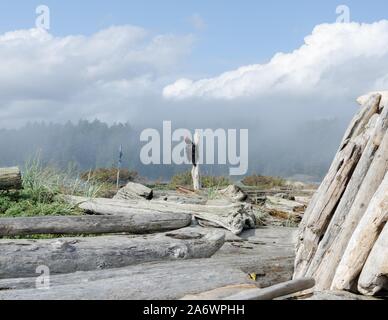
(284, 140)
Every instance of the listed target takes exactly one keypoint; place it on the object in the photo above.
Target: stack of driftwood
(143, 245)
(156, 251)
(343, 239)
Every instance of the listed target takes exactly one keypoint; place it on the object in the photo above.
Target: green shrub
(181, 179)
(185, 179)
(109, 175)
(215, 181)
(263, 182)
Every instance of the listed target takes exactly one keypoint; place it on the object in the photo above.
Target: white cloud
(336, 59)
(197, 22)
(54, 78)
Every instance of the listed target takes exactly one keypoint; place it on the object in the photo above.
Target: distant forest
(307, 149)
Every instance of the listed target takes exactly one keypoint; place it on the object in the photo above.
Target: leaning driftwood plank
(136, 223)
(369, 107)
(150, 281)
(278, 290)
(363, 239)
(20, 258)
(234, 217)
(10, 178)
(374, 275)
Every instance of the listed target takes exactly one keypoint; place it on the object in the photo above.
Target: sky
(228, 34)
(119, 60)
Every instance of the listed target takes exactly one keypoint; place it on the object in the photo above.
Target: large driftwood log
(363, 239)
(276, 291)
(234, 217)
(150, 281)
(10, 178)
(20, 258)
(374, 275)
(342, 201)
(267, 252)
(136, 223)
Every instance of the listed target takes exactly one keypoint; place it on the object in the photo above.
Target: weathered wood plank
(363, 239)
(374, 275)
(267, 252)
(276, 291)
(136, 223)
(150, 281)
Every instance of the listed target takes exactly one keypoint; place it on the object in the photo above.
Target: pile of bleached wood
(267, 252)
(232, 216)
(343, 238)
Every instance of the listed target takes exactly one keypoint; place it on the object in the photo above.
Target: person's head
(187, 140)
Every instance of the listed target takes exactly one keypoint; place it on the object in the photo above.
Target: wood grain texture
(233, 217)
(267, 251)
(276, 291)
(363, 240)
(20, 258)
(136, 223)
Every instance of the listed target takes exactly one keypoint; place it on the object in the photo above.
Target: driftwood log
(20, 258)
(267, 252)
(10, 178)
(150, 281)
(276, 291)
(220, 293)
(374, 275)
(363, 239)
(234, 217)
(346, 215)
(135, 223)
